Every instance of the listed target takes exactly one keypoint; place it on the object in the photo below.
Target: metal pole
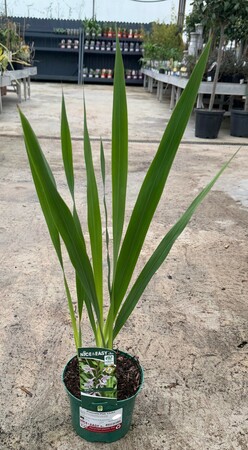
(93, 13)
(5, 8)
(181, 13)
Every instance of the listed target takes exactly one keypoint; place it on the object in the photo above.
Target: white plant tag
(101, 422)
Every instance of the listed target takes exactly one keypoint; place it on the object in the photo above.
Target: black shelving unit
(53, 62)
(104, 59)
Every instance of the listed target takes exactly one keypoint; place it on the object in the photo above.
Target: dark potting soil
(127, 373)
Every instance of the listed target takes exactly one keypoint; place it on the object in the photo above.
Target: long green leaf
(154, 182)
(66, 145)
(76, 333)
(119, 153)
(61, 215)
(94, 218)
(160, 254)
(102, 158)
(67, 148)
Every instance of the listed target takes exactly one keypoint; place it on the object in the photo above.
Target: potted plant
(14, 52)
(218, 15)
(228, 66)
(91, 28)
(239, 119)
(163, 43)
(90, 372)
(5, 58)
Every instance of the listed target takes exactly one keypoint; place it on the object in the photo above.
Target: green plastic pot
(111, 415)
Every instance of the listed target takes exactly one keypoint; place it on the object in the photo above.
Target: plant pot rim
(239, 111)
(209, 111)
(119, 402)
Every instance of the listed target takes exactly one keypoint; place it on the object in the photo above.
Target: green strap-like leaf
(61, 215)
(94, 217)
(66, 145)
(76, 333)
(67, 148)
(119, 153)
(106, 215)
(154, 182)
(160, 254)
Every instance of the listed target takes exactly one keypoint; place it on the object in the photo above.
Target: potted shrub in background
(238, 31)
(239, 119)
(89, 413)
(14, 52)
(91, 28)
(164, 42)
(219, 15)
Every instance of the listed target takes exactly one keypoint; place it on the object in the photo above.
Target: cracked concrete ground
(190, 328)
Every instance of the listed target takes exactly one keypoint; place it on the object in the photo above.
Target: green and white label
(103, 422)
(97, 370)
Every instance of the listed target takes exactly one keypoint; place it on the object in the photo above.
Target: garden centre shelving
(98, 54)
(57, 56)
(56, 61)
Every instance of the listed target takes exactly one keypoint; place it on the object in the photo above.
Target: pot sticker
(97, 371)
(101, 422)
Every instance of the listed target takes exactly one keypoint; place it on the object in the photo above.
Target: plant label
(97, 371)
(101, 422)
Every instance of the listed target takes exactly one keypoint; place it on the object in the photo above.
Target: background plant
(218, 15)
(64, 224)
(12, 46)
(92, 27)
(163, 42)
(196, 16)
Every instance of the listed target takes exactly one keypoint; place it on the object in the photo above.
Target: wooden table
(18, 80)
(152, 78)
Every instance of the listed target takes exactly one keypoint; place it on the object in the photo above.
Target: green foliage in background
(163, 42)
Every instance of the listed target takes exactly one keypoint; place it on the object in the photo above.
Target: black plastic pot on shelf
(239, 123)
(18, 66)
(208, 123)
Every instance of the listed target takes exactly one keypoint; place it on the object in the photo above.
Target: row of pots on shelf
(111, 46)
(69, 31)
(69, 43)
(108, 73)
(101, 45)
(110, 33)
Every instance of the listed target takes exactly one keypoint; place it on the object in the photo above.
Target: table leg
(221, 102)
(1, 105)
(25, 88)
(150, 84)
(29, 87)
(19, 90)
(178, 93)
(173, 95)
(145, 81)
(199, 103)
(158, 87)
(161, 91)
(230, 103)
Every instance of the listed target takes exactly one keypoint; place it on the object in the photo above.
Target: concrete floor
(190, 328)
